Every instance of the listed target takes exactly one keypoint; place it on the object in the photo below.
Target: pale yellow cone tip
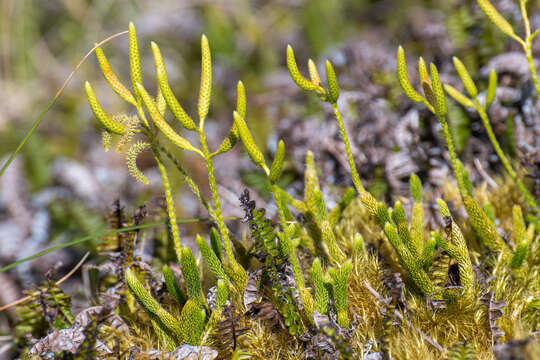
(88, 87)
(240, 85)
(131, 26)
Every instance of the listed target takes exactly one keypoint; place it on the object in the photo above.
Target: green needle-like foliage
(417, 218)
(191, 276)
(321, 295)
(172, 286)
(317, 212)
(359, 246)
(461, 351)
(211, 259)
(166, 322)
(456, 246)
(337, 211)
(215, 242)
(410, 262)
(339, 283)
(222, 293)
(192, 322)
(287, 249)
(521, 238)
(483, 226)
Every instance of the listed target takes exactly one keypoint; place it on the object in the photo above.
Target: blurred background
(63, 183)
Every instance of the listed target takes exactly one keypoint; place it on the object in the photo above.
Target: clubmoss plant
(525, 42)
(330, 95)
(483, 225)
(321, 282)
(395, 226)
(474, 103)
(156, 109)
(434, 97)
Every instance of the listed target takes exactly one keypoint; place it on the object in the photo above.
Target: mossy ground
(463, 320)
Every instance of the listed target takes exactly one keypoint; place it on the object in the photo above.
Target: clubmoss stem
(528, 54)
(239, 272)
(527, 45)
(350, 159)
(170, 203)
(483, 115)
(452, 152)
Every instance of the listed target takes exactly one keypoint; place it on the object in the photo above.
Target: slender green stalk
(527, 45)
(483, 115)
(452, 152)
(354, 172)
(194, 188)
(170, 203)
(528, 54)
(239, 272)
